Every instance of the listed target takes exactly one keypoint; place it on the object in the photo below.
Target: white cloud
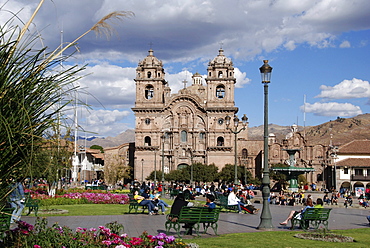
(190, 32)
(332, 109)
(290, 45)
(110, 86)
(241, 78)
(345, 44)
(187, 30)
(347, 89)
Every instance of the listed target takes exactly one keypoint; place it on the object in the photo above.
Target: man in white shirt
(233, 200)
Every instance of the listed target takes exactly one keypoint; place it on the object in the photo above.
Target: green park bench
(222, 201)
(32, 204)
(134, 205)
(195, 216)
(314, 217)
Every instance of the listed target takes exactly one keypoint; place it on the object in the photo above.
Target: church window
(210, 73)
(220, 91)
(220, 141)
(159, 74)
(220, 74)
(147, 141)
(184, 136)
(244, 153)
(231, 74)
(147, 121)
(345, 171)
(202, 135)
(149, 92)
(149, 74)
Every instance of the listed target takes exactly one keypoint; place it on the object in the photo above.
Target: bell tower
(220, 81)
(150, 82)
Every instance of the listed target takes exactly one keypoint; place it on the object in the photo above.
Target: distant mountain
(342, 130)
(125, 137)
(256, 133)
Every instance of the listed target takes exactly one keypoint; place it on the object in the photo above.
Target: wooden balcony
(360, 178)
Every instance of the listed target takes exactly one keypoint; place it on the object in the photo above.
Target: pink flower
(107, 242)
(36, 246)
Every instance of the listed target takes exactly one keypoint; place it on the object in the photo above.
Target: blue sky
(316, 48)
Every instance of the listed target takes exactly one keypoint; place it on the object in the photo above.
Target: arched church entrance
(182, 166)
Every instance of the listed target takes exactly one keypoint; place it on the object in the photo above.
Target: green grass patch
(283, 239)
(87, 209)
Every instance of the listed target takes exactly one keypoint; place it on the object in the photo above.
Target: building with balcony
(352, 164)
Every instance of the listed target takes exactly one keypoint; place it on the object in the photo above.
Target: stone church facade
(176, 130)
(179, 129)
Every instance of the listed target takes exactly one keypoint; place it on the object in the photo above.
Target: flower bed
(81, 198)
(40, 236)
(327, 237)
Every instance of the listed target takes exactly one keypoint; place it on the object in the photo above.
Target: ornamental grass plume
(33, 98)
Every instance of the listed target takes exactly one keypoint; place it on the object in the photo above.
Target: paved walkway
(135, 224)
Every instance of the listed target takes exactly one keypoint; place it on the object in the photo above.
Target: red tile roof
(355, 147)
(354, 162)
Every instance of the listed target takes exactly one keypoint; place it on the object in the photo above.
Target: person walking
(16, 200)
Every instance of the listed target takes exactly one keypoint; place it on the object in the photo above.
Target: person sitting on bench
(295, 214)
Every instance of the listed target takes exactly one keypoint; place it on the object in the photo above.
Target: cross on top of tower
(184, 82)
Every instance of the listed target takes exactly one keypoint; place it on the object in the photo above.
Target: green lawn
(283, 239)
(90, 209)
(87, 209)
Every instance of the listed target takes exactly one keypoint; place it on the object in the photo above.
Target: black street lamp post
(235, 131)
(266, 223)
(142, 170)
(155, 169)
(163, 139)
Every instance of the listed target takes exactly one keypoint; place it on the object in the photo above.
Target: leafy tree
(227, 174)
(115, 169)
(202, 172)
(97, 147)
(151, 176)
(177, 175)
(302, 179)
(277, 176)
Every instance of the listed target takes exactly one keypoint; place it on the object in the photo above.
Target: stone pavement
(135, 224)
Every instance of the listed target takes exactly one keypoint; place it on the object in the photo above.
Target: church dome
(150, 61)
(221, 60)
